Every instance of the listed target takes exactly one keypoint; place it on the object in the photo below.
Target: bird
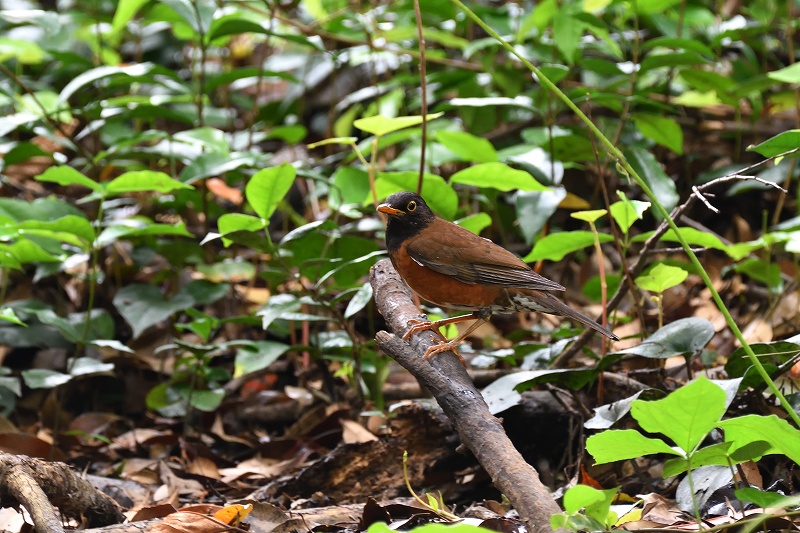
(452, 267)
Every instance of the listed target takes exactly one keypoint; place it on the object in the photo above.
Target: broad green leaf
(359, 300)
(143, 306)
(589, 216)
(618, 445)
(650, 170)
(230, 222)
(64, 175)
(136, 70)
(84, 366)
(25, 52)
(143, 181)
(692, 236)
(661, 277)
(126, 10)
(662, 130)
(197, 13)
(497, 176)
(132, 228)
(71, 228)
(467, 146)
(686, 415)
(284, 306)
(256, 356)
(476, 222)
(267, 187)
(380, 125)
(568, 29)
(686, 336)
(534, 209)
(716, 454)
(782, 437)
(42, 378)
(771, 354)
(765, 499)
(207, 400)
(767, 272)
(8, 314)
(441, 198)
(556, 246)
(779, 144)
(790, 74)
(626, 212)
(25, 251)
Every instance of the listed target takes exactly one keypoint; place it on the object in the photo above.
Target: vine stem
(623, 164)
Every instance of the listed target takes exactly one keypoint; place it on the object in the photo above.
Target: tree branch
(449, 383)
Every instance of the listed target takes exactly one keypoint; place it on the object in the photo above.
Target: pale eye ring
(412, 206)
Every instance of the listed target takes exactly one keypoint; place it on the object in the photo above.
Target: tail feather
(554, 306)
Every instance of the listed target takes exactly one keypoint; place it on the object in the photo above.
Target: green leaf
(682, 337)
(621, 444)
(716, 454)
(626, 211)
(359, 301)
(143, 306)
(779, 144)
(197, 13)
(8, 314)
(569, 30)
(267, 188)
(650, 170)
(84, 366)
(497, 176)
(230, 222)
(126, 10)
(475, 222)
(380, 125)
(771, 354)
(790, 74)
(256, 356)
(64, 175)
(692, 236)
(207, 400)
(782, 437)
(686, 415)
(42, 378)
(766, 500)
(71, 228)
(662, 130)
(765, 271)
(589, 216)
(26, 52)
(661, 277)
(467, 146)
(441, 198)
(143, 181)
(556, 246)
(534, 209)
(596, 503)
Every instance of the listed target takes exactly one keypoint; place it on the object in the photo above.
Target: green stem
(623, 163)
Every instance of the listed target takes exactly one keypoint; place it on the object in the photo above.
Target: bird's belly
(445, 291)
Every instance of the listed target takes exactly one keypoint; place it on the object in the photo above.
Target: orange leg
(445, 345)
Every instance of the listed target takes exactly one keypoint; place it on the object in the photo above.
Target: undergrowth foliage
(189, 185)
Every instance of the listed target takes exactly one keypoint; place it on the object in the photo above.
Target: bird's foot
(449, 346)
(415, 326)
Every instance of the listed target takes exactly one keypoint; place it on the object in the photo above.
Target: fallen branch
(39, 485)
(449, 383)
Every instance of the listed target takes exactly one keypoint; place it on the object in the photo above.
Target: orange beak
(389, 210)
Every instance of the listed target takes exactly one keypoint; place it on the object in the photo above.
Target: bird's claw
(415, 326)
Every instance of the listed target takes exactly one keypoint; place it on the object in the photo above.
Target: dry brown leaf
(222, 190)
(204, 467)
(355, 432)
(757, 331)
(189, 522)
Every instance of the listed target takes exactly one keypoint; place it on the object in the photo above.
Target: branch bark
(449, 383)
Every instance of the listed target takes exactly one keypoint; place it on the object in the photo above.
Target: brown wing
(457, 252)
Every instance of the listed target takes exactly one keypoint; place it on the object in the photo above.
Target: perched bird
(452, 267)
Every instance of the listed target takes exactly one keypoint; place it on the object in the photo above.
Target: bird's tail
(557, 307)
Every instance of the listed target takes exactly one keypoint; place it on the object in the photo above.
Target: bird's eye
(412, 205)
